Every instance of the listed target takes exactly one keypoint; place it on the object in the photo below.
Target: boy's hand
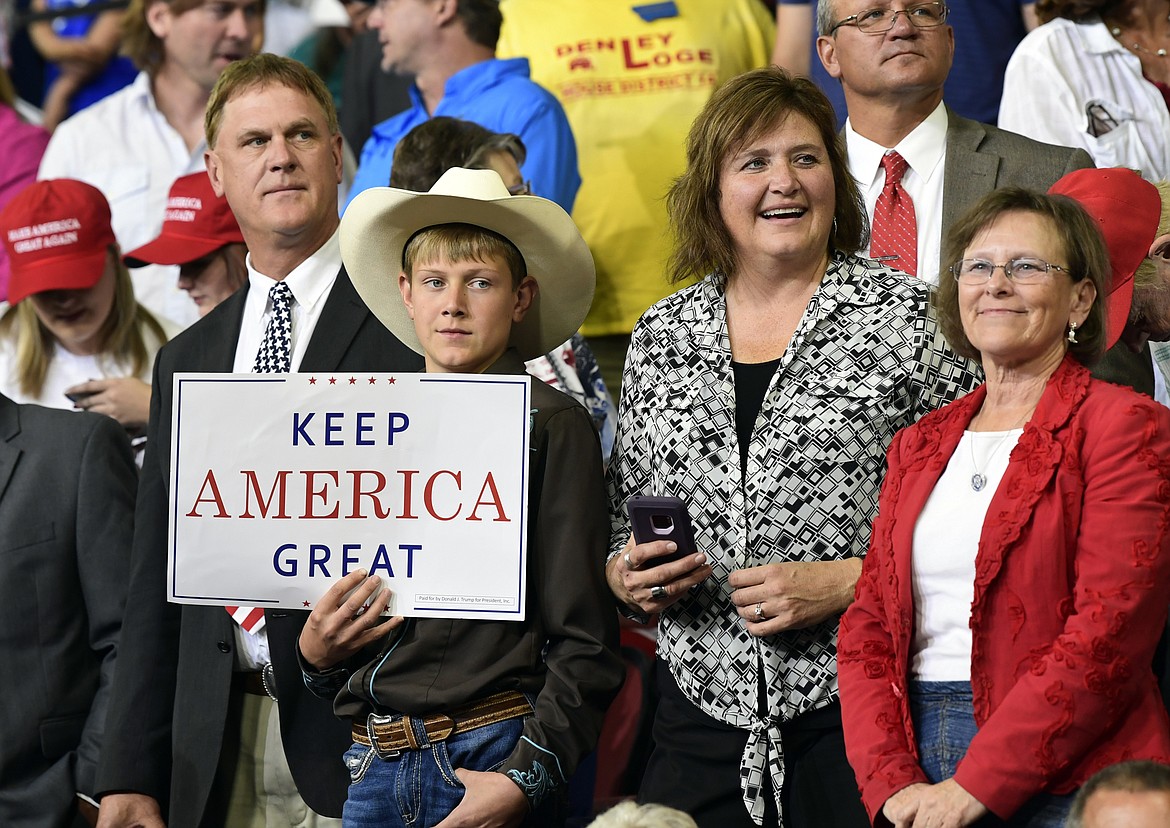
(492, 801)
(339, 626)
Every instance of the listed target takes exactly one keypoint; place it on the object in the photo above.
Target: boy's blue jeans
(418, 788)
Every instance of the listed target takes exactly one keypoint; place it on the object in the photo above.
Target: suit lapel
(9, 428)
(1033, 464)
(969, 173)
(341, 318)
(221, 332)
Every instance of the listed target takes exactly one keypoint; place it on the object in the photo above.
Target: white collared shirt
(925, 151)
(310, 283)
(1060, 71)
(127, 149)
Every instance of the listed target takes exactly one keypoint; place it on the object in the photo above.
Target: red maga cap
(197, 222)
(57, 234)
(1127, 209)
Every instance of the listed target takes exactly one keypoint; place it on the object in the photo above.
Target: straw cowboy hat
(380, 221)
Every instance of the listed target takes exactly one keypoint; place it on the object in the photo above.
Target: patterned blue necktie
(275, 354)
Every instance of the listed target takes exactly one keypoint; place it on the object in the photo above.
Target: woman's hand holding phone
(642, 582)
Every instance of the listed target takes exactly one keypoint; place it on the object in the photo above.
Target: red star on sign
(391, 380)
(333, 380)
(306, 603)
(312, 380)
(352, 381)
(373, 381)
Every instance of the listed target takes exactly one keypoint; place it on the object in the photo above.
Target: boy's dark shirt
(564, 653)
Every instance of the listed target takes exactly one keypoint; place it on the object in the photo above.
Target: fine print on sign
(283, 483)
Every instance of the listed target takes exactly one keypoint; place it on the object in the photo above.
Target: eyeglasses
(880, 21)
(1024, 270)
(523, 188)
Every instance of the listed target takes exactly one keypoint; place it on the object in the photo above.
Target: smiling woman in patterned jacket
(765, 396)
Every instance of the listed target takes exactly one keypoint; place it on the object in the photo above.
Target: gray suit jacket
(170, 712)
(67, 484)
(982, 158)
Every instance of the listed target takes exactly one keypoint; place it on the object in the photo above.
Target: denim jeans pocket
(482, 749)
(357, 761)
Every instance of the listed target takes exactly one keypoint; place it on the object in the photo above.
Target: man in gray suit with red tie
(918, 164)
(892, 59)
(193, 734)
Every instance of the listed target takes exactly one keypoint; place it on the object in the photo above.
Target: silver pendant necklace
(979, 479)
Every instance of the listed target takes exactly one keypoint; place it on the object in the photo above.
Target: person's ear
(1160, 249)
(214, 171)
(158, 18)
(404, 289)
(336, 142)
(827, 52)
(525, 295)
(446, 12)
(1084, 292)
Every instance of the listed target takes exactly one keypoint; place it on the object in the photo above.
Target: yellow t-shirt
(631, 88)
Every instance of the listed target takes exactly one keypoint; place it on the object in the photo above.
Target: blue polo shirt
(498, 95)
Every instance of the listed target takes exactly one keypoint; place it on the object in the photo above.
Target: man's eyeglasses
(1023, 271)
(880, 21)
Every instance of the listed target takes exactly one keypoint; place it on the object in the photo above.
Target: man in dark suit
(892, 65)
(185, 728)
(66, 518)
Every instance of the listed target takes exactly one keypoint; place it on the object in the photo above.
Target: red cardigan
(1072, 584)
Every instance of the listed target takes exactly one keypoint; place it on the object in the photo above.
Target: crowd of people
(890, 334)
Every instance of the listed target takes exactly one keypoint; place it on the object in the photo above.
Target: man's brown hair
(258, 72)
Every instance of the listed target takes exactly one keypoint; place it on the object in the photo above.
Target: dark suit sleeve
(105, 525)
(137, 752)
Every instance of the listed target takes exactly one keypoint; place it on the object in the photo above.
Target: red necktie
(894, 238)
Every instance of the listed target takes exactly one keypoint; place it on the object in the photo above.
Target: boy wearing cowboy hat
(466, 722)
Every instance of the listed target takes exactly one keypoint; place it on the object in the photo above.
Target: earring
(1072, 333)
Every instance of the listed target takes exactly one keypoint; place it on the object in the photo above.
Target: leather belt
(390, 735)
(259, 683)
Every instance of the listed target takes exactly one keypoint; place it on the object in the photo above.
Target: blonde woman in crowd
(74, 335)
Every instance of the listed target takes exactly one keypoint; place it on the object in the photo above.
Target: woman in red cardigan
(998, 651)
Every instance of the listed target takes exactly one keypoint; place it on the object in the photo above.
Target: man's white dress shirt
(925, 150)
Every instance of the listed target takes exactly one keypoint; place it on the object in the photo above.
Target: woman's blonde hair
(121, 334)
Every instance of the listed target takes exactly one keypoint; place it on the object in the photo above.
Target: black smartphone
(661, 518)
(78, 397)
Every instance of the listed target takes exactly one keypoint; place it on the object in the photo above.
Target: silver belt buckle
(268, 679)
(376, 718)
